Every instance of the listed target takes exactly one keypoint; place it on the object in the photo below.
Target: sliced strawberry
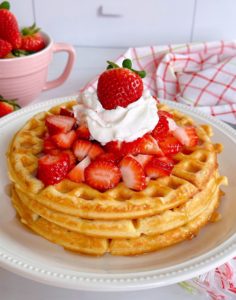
(107, 157)
(143, 159)
(81, 148)
(59, 124)
(144, 145)
(83, 132)
(67, 112)
(77, 173)
(161, 129)
(159, 167)
(53, 168)
(48, 145)
(170, 145)
(163, 113)
(64, 140)
(187, 136)
(132, 173)
(113, 147)
(102, 175)
(72, 158)
(55, 151)
(95, 151)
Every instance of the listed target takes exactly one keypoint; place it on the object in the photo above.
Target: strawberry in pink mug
(23, 78)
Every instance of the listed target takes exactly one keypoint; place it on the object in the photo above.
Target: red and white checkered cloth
(201, 75)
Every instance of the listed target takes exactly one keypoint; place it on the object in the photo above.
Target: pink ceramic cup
(23, 78)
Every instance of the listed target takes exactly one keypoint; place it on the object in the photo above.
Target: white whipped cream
(120, 124)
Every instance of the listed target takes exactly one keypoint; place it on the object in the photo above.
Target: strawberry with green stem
(7, 106)
(32, 40)
(120, 86)
(9, 29)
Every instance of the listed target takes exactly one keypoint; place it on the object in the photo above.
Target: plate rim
(88, 281)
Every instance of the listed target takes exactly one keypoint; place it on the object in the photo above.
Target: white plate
(33, 257)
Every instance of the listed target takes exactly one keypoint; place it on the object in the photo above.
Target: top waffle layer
(190, 175)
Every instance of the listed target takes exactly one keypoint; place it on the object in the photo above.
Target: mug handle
(58, 47)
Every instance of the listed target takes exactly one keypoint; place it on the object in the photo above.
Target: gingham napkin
(201, 75)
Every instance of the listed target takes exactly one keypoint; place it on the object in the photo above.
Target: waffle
(120, 220)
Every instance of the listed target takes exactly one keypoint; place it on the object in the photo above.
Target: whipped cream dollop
(120, 124)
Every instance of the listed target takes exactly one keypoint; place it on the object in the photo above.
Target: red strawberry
(81, 148)
(64, 140)
(113, 147)
(187, 136)
(170, 145)
(163, 113)
(102, 175)
(107, 157)
(67, 112)
(32, 40)
(132, 173)
(95, 151)
(9, 30)
(7, 106)
(143, 159)
(144, 145)
(83, 132)
(5, 48)
(159, 167)
(53, 168)
(72, 158)
(59, 124)
(77, 173)
(119, 86)
(161, 129)
(48, 145)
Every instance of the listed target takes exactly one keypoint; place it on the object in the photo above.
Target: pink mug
(23, 78)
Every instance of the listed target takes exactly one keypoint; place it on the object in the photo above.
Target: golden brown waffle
(120, 221)
(127, 228)
(98, 246)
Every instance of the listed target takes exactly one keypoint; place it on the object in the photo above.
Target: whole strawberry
(120, 86)
(5, 48)
(32, 40)
(7, 106)
(9, 29)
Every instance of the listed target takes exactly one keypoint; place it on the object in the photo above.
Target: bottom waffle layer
(98, 246)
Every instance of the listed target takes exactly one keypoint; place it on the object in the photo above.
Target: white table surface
(90, 62)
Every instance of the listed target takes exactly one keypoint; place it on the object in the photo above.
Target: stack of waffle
(119, 221)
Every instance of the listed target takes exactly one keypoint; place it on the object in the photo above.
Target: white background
(116, 23)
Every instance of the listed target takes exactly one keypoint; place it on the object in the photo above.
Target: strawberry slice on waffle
(133, 174)
(53, 168)
(102, 175)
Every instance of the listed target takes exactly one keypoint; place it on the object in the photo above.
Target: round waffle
(120, 220)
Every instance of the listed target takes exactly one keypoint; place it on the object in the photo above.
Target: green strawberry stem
(19, 53)
(127, 64)
(112, 65)
(30, 30)
(11, 102)
(5, 5)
